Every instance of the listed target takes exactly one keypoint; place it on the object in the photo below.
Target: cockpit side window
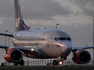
(62, 38)
(68, 38)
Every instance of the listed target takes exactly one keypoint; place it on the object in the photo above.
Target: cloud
(8, 24)
(34, 9)
(1, 20)
(76, 14)
(92, 2)
(86, 6)
(6, 8)
(88, 12)
(43, 9)
(80, 3)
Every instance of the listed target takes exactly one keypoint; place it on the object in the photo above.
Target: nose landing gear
(59, 61)
(56, 62)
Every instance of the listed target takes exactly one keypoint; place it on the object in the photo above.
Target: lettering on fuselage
(40, 39)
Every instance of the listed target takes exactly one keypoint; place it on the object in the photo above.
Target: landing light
(60, 62)
(32, 49)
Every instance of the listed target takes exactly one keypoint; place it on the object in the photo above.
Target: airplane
(41, 44)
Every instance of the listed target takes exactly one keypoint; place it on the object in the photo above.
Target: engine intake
(81, 57)
(13, 55)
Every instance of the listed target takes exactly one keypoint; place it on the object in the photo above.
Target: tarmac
(65, 67)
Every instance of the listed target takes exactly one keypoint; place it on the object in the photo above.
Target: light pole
(93, 41)
(5, 36)
(57, 26)
(8, 41)
(27, 61)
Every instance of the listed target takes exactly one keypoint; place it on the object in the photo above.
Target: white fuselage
(49, 43)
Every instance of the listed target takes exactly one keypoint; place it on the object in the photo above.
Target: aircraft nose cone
(66, 47)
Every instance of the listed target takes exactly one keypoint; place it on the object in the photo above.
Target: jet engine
(13, 55)
(81, 57)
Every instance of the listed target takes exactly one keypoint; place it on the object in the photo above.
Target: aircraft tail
(19, 22)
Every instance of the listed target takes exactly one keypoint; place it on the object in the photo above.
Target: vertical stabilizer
(19, 22)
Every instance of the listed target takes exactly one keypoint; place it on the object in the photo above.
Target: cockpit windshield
(62, 38)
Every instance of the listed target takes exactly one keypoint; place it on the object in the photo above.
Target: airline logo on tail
(17, 22)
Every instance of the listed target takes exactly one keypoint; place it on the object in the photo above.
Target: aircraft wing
(4, 34)
(24, 49)
(78, 48)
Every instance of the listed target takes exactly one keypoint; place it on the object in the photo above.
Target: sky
(75, 17)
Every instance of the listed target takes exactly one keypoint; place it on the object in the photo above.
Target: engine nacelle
(13, 55)
(81, 57)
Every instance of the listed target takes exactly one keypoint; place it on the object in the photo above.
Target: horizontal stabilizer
(4, 34)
